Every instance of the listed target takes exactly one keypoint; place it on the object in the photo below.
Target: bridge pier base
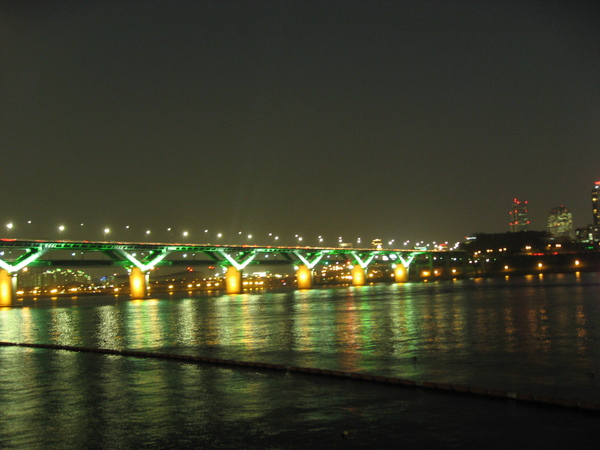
(8, 287)
(138, 282)
(358, 276)
(304, 277)
(400, 274)
(233, 281)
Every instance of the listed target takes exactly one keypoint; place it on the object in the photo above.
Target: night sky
(405, 120)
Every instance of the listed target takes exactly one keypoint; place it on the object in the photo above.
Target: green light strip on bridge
(236, 264)
(140, 265)
(10, 268)
(309, 264)
(361, 263)
(406, 262)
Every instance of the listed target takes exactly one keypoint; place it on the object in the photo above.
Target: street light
(61, 228)
(106, 231)
(9, 227)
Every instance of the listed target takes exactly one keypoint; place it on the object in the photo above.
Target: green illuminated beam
(143, 266)
(366, 262)
(406, 262)
(23, 261)
(307, 263)
(239, 265)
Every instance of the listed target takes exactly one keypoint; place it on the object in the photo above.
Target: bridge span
(140, 258)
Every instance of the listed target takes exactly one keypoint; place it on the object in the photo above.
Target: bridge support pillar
(138, 282)
(304, 277)
(8, 287)
(358, 276)
(233, 281)
(401, 273)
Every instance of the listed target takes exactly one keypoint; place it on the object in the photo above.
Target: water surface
(524, 334)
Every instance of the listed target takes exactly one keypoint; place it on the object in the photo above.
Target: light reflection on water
(525, 334)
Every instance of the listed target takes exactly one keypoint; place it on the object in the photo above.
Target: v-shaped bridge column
(358, 276)
(138, 282)
(8, 274)
(400, 273)
(139, 274)
(233, 281)
(401, 268)
(304, 275)
(359, 271)
(233, 276)
(8, 287)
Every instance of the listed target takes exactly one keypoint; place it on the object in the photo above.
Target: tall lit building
(518, 216)
(591, 233)
(560, 223)
(595, 206)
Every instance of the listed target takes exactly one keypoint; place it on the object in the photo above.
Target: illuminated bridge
(140, 258)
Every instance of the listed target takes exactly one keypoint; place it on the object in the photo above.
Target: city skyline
(81, 231)
(373, 120)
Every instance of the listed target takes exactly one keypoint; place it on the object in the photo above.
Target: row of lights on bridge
(106, 233)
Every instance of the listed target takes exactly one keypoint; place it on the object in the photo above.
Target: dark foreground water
(536, 335)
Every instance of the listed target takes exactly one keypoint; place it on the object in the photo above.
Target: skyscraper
(595, 206)
(560, 223)
(518, 216)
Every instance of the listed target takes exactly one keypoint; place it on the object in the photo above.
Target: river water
(530, 334)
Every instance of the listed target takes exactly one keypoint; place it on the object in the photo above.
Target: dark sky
(416, 120)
